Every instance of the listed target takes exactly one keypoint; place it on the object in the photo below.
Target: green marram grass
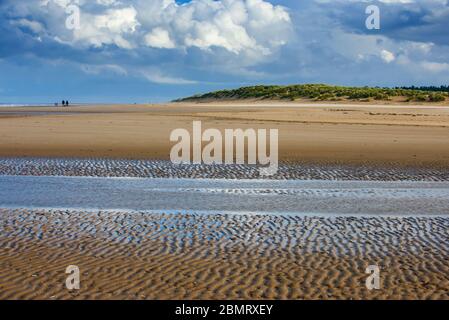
(321, 92)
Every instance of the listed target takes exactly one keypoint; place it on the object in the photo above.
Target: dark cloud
(420, 21)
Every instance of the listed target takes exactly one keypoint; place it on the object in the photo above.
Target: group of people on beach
(64, 103)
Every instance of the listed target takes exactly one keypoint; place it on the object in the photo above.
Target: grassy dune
(323, 92)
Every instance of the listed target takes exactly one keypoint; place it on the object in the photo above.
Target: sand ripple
(165, 169)
(138, 255)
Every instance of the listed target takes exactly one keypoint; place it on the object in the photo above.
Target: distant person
(63, 102)
(67, 103)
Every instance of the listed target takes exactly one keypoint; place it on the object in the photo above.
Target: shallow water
(221, 195)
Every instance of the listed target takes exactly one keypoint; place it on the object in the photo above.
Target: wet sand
(335, 133)
(199, 254)
(165, 169)
(144, 255)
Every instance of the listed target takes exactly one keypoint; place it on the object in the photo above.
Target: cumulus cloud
(410, 47)
(109, 27)
(227, 34)
(238, 26)
(252, 27)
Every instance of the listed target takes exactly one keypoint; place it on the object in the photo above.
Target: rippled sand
(165, 169)
(145, 255)
(194, 255)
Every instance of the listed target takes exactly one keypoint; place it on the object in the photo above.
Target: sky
(139, 51)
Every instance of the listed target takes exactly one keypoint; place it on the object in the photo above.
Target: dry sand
(345, 133)
(143, 255)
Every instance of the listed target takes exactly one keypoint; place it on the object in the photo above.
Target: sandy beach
(91, 186)
(335, 133)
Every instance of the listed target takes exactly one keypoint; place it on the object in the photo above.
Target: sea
(26, 104)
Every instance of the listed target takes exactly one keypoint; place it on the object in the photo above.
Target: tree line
(324, 92)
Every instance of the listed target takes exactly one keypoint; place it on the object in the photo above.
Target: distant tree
(428, 88)
(327, 92)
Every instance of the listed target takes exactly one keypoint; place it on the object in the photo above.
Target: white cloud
(118, 20)
(387, 56)
(111, 27)
(254, 28)
(108, 2)
(251, 27)
(97, 69)
(159, 38)
(435, 66)
(156, 76)
(397, 1)
(34, 26)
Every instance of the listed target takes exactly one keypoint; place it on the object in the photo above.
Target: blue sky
(158, 50)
